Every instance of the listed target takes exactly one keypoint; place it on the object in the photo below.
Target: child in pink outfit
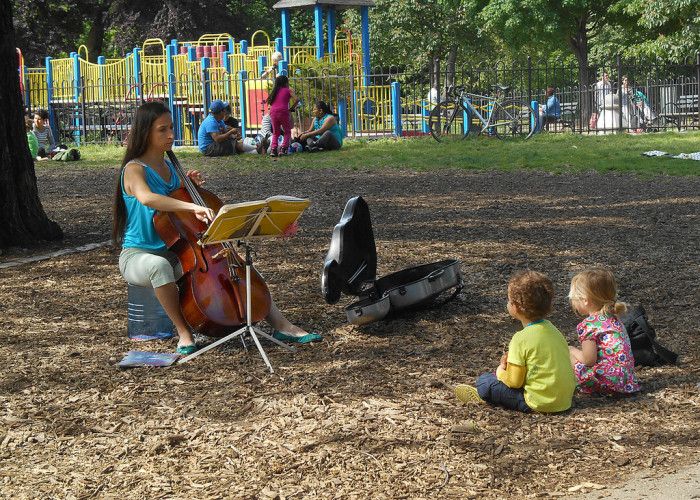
(280, 99)
(605, 363)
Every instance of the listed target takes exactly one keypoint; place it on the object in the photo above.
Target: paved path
(681, 485)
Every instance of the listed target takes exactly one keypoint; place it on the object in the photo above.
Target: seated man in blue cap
(215, 138)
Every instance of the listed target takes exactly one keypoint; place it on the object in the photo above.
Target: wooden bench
(678, 112)
(567, 118)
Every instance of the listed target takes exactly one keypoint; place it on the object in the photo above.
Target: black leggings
(327, 142)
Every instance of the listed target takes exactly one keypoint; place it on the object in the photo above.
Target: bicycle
(502, 118)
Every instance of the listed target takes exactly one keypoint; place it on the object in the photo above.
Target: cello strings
(197, 198)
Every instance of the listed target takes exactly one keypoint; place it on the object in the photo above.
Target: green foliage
(46, 28)
(51, 28)
(332, 85)
(409, 33)
(320, 67)
(673, 27)
(406, 34)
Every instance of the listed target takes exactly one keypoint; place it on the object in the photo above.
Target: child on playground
(271, 71)
(535, 373)
(605, 363)
(281, 99)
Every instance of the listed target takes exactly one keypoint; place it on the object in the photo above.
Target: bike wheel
(446, 121)
(513, 119)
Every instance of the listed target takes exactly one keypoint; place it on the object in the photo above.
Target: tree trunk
(434, 72)
(22, 218)
(451, 64)
(579, 45)
(96, 34)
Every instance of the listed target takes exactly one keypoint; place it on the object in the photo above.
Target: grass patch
(556, 153)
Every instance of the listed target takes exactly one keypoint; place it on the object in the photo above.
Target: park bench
(684, 109)
(567, 118)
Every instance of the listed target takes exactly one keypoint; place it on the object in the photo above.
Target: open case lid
(352, 258)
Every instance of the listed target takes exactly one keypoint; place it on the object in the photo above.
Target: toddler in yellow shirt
(535, 374)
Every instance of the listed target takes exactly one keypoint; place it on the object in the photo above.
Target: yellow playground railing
(117, 78)
(153, 47)
(260, 47)
(220, 84)
(237, 62)
(301, 54)
(36, 86)
(345, 46)
(251, 66)
(154, 72)
(92, 81)
(63, 79)
(214, 39)
(194, 87)
(373, 108)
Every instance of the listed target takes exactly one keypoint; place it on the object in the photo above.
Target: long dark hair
(136, 145)
(280, 82)
(325, 107)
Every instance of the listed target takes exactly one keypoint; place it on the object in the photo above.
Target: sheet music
(254, 219)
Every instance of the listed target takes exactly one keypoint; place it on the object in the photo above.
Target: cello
(213, 284)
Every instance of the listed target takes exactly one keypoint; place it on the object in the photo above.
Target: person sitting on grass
(325, 133)
(535, 374)
(43, 133)
(214, 137)
(605, 363)
(31, 138)
(231, 122)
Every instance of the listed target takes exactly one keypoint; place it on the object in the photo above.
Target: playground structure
(95, 101)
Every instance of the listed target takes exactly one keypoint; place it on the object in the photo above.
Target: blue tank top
(335, 129)
(140, 231)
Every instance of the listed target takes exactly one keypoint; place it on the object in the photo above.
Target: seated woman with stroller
(325, 133)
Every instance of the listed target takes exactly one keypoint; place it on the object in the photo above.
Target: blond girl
(604, 364)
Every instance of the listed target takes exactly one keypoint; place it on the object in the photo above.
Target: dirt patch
(360, 414)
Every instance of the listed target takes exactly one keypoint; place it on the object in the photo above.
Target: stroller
(642, 110)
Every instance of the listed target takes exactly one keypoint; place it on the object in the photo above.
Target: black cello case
(351, 267)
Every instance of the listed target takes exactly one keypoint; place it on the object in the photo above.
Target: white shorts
(148, 268)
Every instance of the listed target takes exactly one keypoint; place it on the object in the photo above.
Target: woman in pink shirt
(280, 100)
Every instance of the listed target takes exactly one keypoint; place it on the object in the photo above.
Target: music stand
(240, 223)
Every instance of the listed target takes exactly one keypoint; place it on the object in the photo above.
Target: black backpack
(645, 349)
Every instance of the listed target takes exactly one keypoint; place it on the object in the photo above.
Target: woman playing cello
(144, 182)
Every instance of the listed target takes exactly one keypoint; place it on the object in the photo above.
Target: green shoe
(186, 350)
(305, 339)
(467, 394)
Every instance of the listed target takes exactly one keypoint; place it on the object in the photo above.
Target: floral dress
(613, 371)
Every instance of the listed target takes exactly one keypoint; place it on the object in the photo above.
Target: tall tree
(22, 218)
(556, 23)
(673, 28)
(46, 28)
(414, 34)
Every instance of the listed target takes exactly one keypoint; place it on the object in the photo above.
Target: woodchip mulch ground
(359, 415)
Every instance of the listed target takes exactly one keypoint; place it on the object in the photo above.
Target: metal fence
(634, 98)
